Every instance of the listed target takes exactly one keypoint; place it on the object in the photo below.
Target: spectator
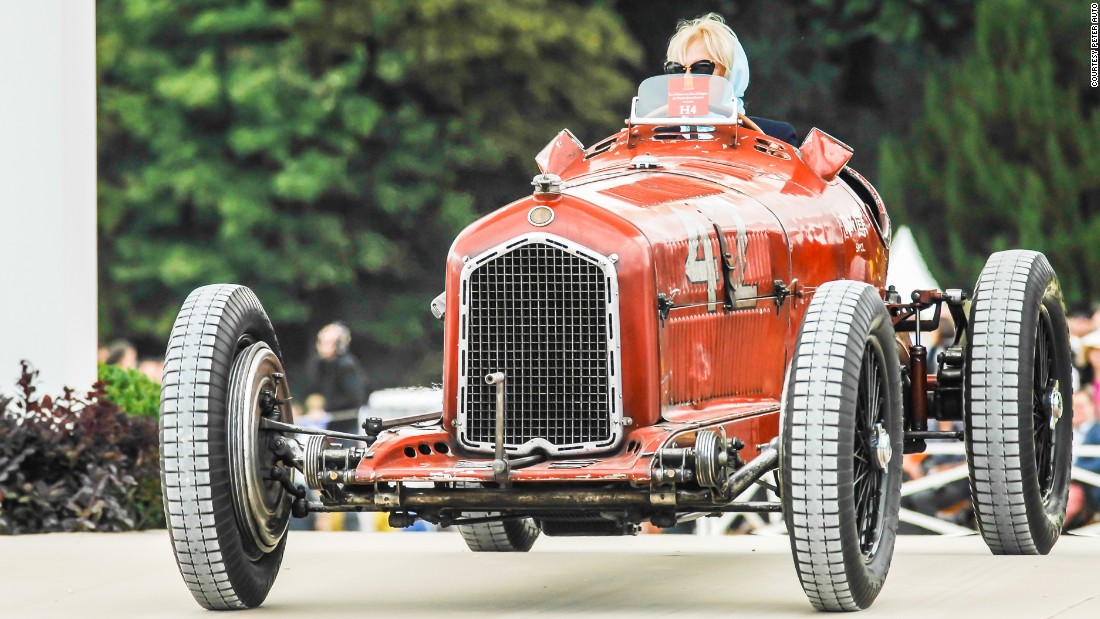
(315, 415)
(1094, 320)
(123, 354)
(1080, 325)
(1084, 500)
(335, 375)
(153, 367)
(336, 387)
(1089, 360)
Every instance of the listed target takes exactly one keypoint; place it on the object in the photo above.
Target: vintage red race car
(682, 312)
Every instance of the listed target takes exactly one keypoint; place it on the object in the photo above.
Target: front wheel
(513, 535)
(226, 518)
(841, 447)
(1017, 381)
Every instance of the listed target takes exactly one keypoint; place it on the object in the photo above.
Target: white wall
(48, 191)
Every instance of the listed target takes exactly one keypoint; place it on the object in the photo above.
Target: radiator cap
(547, 186)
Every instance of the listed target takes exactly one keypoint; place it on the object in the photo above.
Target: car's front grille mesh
(539, 314)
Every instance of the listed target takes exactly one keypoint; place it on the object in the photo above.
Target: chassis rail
(655, 498)
(493, 499)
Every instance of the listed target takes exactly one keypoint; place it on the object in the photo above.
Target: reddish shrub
(75, 463)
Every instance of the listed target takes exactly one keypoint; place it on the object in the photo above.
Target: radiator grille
(544, 312)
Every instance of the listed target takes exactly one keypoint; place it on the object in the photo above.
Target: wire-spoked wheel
(1018, 381)
(841, 447)
(871, 456)
(1045, 397)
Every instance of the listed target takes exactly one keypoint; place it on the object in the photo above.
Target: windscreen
(685, 96)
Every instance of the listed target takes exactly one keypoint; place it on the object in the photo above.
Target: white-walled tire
(226, 521)
(516, 535)
(841, 447)
(1017, 379)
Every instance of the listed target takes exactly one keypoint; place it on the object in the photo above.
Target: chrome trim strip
(614, 398)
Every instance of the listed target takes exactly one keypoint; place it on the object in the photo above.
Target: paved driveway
(424, 575)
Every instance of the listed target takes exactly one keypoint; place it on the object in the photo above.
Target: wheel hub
(263, 506)
(880, 442)
(1054, 403)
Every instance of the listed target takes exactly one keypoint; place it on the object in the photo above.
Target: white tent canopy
(908, 271)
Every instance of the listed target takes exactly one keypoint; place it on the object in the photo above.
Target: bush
(132, 391)
(75, 463)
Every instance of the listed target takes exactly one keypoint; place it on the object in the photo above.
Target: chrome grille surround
(545, 311)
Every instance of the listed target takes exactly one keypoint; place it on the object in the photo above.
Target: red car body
(703, 365)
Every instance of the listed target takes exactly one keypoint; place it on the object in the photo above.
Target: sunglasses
(700, 67)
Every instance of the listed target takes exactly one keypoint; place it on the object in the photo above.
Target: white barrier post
(48, 192)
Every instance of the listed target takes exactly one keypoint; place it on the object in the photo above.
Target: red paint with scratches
(703, 366)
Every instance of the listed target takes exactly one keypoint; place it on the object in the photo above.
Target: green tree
(1007, 151)
(325, 153)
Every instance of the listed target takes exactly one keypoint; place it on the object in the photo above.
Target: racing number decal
(700, 269)
(741, 264)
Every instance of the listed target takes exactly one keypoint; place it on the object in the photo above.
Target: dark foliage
(326, 153)
(75, 463)
(1006, 153)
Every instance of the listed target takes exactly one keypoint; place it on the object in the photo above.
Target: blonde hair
(717, 37)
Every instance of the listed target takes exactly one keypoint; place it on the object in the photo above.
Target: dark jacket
(777, 129)
(341, 381)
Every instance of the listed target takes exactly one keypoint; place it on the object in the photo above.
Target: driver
(706, 45)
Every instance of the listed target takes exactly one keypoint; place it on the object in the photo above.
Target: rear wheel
(1017, 379)
(516, 535)
(842, 447)
(227, 521)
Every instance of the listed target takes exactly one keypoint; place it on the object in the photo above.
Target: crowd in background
(1084, 335)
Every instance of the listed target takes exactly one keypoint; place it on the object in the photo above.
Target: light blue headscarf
(739, 74)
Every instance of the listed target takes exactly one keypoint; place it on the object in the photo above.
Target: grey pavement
(434, 575)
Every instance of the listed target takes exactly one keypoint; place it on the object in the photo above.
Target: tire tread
(816, 393)
(189, 453)
(994, 442)
(504, 536)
